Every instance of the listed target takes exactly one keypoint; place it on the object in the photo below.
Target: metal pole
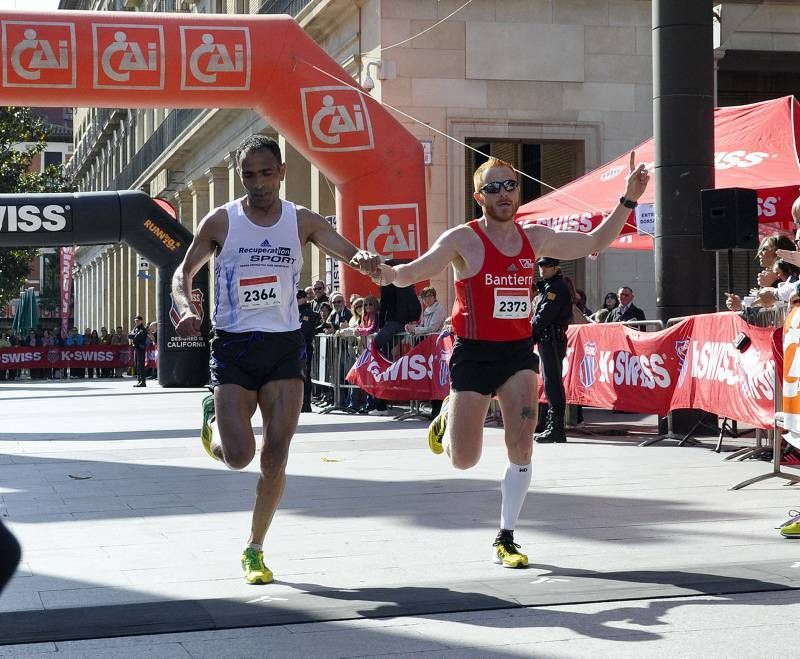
(683, 112)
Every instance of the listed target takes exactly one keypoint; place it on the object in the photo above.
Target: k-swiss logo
(38, 54)
(128, 56)
(34, 217)
(197, 306)
(215, 57)
(587, 369)
(336, 119)
(526, 263)
(391, 230)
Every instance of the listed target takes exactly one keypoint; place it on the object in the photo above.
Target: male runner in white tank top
(257, 351)
(493, 354)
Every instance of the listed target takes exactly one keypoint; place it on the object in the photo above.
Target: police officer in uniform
(553, 314)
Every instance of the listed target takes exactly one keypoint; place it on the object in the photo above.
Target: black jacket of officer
(309, 319)
(138, 337)
(553, 310)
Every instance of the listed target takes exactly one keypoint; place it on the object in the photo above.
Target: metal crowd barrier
(334, 356)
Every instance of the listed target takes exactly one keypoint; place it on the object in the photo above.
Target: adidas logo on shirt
(265, 244)
(512, 268)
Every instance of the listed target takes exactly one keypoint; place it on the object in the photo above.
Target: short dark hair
(301, 293)
(257, 143)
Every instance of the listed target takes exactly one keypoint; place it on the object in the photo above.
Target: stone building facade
(555, 86)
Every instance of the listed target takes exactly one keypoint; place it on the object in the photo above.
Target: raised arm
(441, 254)
(198, 254)
(569, 245)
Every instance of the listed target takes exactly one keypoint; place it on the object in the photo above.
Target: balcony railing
(160, 141)
(291, 7)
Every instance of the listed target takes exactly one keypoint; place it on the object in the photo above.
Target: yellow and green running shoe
(506, 551)
(791, 528)
(255, 571)
(206, 434)
(437, 429)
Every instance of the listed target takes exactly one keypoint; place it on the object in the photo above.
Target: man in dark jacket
(626, 310)
(309, 319)
(138, 338)
(553, 314)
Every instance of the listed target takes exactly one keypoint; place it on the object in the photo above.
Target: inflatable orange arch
(131, 59)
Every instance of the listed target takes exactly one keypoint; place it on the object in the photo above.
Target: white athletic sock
(513, 489)
(253, 545)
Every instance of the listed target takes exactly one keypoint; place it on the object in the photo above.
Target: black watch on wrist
(627, 202)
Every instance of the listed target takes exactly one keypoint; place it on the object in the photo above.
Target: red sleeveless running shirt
(495, 304)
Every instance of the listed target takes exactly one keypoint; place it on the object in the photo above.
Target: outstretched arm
(316, 229)
(569, 245)
(431, 263)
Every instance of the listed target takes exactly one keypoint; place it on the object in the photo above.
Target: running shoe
(206, 433)
(791, 528)
(437, 429)
(506, 551)
(254, 569)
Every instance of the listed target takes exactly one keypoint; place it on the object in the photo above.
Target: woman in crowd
(610, 303)
(766, 255)
(368, 325)
(324, 310)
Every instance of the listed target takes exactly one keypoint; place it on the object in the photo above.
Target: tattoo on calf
(526, 413)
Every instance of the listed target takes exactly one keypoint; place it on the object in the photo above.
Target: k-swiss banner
(93, 356)
(693, 365)
(421, 374)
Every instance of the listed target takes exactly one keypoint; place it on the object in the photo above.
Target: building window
(54, 158)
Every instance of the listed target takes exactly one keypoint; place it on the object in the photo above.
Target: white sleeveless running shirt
(257, 272)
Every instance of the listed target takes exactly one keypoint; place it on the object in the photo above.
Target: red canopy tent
(755, 147)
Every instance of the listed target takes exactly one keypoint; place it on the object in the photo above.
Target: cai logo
(587, 369)
(128, 56)
(336, 119)
(38, 54)
(215, 57)
(391, 231)
(197, 304)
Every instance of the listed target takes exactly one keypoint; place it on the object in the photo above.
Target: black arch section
(132, 217)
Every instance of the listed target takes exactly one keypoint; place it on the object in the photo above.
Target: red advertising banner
(693, 365)
(73, 357)
(421, 374)
(67, 260)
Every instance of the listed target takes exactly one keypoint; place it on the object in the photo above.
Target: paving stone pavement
(131, 537)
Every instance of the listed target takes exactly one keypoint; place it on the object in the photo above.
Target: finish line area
(129, 528)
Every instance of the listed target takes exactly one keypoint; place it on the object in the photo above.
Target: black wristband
(627, 202)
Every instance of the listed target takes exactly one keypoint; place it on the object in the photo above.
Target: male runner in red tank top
(493, 261)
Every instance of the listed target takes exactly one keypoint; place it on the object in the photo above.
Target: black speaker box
(730, 218)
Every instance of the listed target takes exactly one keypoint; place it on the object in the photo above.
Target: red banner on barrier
(421, 374)
(97, 356)
(693, 365)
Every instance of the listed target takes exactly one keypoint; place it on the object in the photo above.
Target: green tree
(23, 135)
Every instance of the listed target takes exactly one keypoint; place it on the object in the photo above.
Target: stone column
(182, 201)
(235, 187)
(323, 201)
(217, 186)
(199, 191)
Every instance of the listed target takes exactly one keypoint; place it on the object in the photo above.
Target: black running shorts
(251, 359)
(483, 366)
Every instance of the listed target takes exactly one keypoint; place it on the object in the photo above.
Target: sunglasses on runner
(494, 187)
